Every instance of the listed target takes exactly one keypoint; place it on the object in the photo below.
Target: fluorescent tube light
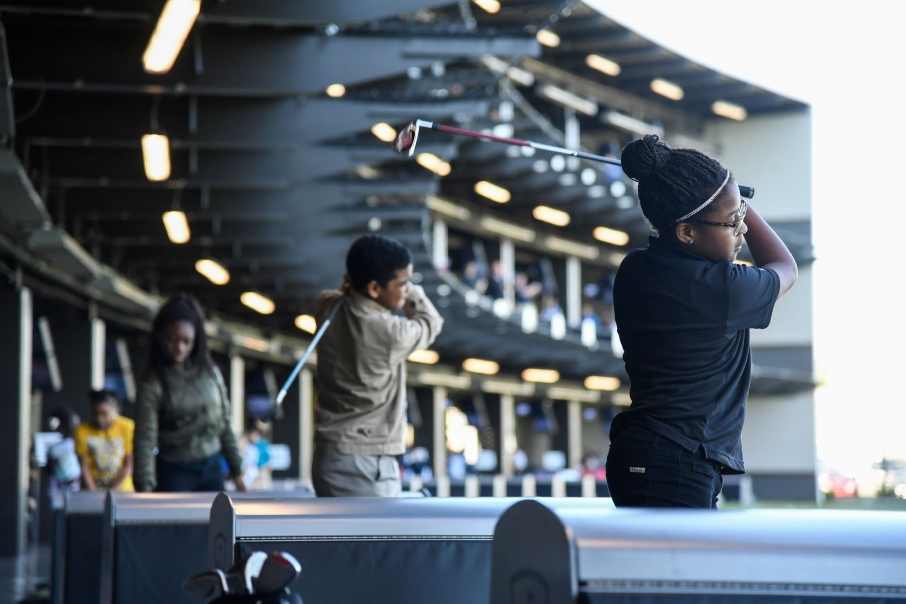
(611, 236)
(156, 154)
(214, 271)
(177, 226)
(170, 34)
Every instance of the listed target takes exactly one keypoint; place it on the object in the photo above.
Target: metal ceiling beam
(228, 121)
(286, 13)
(236, 62)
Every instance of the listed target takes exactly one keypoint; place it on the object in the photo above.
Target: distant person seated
(104, 444)
(62, 460)
(550, 309)
(471, 276)
(495, 282)
(526, 291)
(589, 313)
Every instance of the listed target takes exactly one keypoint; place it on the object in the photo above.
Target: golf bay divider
(379, 551)
(76, 561)
(570, 555)
(153, 542)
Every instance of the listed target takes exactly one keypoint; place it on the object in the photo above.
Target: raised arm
(769, 251)
(419, 329)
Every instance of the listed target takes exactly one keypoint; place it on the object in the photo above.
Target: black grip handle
(747, 192)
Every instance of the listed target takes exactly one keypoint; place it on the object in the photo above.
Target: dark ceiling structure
(277, 178)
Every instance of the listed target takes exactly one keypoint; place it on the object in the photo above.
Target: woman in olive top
(684, 309)
(183, 409)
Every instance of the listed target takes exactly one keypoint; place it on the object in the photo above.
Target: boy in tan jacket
(360, 418)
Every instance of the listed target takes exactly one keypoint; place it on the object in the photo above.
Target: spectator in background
(589, 313)
(183, 409)
(496, 285)
(471, 276)
(550, 309)
(62, 460)
(104, 444)
(526, 291)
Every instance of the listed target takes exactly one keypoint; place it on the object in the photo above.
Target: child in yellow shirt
(104, 445)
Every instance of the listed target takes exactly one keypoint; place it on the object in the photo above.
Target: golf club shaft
(289, 382)
(747, 192)
(519, 142)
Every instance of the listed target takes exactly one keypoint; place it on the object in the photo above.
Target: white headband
(710, 199)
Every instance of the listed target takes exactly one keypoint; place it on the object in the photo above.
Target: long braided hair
(672, 182)
(181, 307)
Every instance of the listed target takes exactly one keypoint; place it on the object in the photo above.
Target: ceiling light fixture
(551, 215)
(385, 132)
(602, 382)
(611, 236)
(427, 357)
(605, 66)
(492, 191)
(336, 90)
(177, 226)
(258, 303)
(480, 366)
(306, 323)
(170, 34)
(156, 155)
(667, 89)
(542, 376)
(548, 38)
(214, 271)
(730, 110)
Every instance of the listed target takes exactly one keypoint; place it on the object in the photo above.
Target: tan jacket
(362, 356)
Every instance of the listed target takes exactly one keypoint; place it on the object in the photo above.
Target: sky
(847, 60)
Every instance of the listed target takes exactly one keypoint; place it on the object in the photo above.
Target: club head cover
(206, 585)
(277, 572)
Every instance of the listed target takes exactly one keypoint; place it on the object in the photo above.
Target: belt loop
(655, 441)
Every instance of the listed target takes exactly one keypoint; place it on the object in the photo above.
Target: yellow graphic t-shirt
(106, 450)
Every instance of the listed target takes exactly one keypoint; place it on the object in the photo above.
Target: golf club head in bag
(257, 578)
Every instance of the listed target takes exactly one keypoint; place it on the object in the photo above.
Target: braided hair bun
(642, 157)
(672, 182)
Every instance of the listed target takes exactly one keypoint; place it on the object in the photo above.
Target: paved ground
(25, 576)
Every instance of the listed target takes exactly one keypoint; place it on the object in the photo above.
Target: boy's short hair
(107, 397)
(375, 258)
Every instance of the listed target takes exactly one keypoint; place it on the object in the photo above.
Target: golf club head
(277, 572)
(406, 140)
(244, 572)
(207, 585)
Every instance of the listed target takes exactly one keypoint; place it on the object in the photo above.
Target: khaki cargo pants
(337, 475)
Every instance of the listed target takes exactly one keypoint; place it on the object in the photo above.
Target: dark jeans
(645, 469)
(186, 476)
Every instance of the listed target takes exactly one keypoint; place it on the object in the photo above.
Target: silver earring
(690, 242)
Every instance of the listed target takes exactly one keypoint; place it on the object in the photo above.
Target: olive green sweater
(192, 426)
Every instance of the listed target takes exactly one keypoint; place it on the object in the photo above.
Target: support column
(508, 266)
(508, 443)
(573, 292)
(574, 433)
(440, 432)
(15, 403)
(439, 250)
(571, 137)
(306, 425)
(237, 393)
(98, 353)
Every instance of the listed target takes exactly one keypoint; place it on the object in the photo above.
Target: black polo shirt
(684, 321)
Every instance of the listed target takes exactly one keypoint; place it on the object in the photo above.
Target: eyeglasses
(736, 225)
